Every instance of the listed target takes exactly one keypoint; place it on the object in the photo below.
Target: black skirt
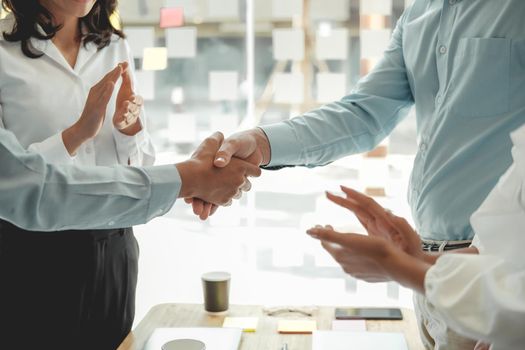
(66, 290)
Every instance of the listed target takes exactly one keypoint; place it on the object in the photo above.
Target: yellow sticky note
(296, 326)
(155, 58)
(248, 324)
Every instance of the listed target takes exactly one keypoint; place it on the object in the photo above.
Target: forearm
(73, 138)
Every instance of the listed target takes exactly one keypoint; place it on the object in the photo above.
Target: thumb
(227, 150)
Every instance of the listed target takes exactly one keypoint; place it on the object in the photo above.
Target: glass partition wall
(207, 65)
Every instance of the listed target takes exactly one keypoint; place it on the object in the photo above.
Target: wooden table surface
(266, 337)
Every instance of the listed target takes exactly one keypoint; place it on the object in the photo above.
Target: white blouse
(483, 296)
(40, 98)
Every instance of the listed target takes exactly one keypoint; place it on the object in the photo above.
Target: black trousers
(66, 290)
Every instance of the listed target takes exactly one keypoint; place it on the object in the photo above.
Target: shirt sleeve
(480, 296)
(357, 123)
(39, 196)
(52, 149)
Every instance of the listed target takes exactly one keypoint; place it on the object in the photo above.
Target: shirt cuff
(128, 146)
(53, 150)
(165, 188)
(284, 145)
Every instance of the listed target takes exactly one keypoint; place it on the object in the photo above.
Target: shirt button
(439, 99)
(452, 2)
(423, 147)
(111, 223)
(442, 49)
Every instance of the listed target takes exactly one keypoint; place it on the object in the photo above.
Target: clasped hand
(211, 186)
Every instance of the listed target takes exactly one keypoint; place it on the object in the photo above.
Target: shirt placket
(445, 30)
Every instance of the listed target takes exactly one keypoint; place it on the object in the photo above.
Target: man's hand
(380, 222)
(251, 146)
(217, 186)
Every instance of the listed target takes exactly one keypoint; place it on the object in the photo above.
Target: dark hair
(30, 13)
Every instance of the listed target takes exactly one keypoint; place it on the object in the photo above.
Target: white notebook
(214, 338)
(335, 340)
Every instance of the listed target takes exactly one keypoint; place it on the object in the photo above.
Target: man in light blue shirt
(462, 64)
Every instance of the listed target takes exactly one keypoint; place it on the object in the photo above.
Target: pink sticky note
(171, 17)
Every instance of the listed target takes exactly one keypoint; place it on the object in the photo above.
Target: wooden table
(266, 337)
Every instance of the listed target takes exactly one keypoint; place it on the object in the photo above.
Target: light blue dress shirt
(38, 196)
(462, 63)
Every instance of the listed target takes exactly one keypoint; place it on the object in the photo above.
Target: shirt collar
(50, 50)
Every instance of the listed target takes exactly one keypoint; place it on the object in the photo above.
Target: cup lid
(184, 344)
(216, 276)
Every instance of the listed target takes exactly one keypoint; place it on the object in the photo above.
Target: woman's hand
(94, 114)
(363, 257)
(126, 118)
(373, 259)
(379, 222)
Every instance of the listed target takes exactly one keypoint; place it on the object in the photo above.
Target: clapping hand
(128, 106)
(390, 246)
(379, 222)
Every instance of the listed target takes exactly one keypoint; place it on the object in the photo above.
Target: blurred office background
(207, 65)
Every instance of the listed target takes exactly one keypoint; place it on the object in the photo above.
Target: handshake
(219, 170)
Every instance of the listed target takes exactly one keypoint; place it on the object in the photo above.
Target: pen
(285, 346)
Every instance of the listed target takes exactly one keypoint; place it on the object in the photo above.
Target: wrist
(73, 138)
(263, 144)
(408, 270)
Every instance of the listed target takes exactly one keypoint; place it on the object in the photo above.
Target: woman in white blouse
(480, 296)
(71, 289)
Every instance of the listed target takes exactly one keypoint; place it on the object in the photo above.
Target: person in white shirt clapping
(69, 288)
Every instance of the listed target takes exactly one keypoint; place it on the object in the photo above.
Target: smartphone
(368, 314)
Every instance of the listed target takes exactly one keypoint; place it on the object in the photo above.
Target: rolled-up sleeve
(35, 195)
(357, 123)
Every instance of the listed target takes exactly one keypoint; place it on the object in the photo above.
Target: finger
(134, 108)
(205, 211)
(228, 149)
(350, 205)
(228, 204)
(252, 170)
(210, 144)
(213, 209)
(112, 76)
(238, 195)
(366, 202)
(347, 240)
(198, 206)
(138, 100)
(247, 186)
(188, 200)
